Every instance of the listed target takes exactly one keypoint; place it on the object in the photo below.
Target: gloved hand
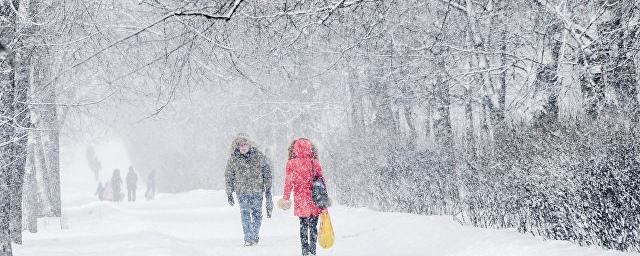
(269, 206)
(230, 199)
(284, 204)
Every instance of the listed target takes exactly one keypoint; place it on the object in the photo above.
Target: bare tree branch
(227, 16)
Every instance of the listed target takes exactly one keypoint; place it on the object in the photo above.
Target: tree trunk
(48, 152)
(502, 93)
(547, 76)
(482, 63)
(7, 133)
(428, 122)
(470, 137)
(413, 134)
(443, 133)
(47, 145)
(8, 125)
(470, 129)
(52, 147)
(21, 111)
(42, 177)
(592, 87)
(23, 76)
(31, 210)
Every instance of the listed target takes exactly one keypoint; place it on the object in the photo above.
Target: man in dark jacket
(248, 174)
(132, 184)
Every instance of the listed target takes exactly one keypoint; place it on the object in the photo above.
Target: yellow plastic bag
(325, 234)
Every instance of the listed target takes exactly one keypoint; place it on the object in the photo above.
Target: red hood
(303, 149)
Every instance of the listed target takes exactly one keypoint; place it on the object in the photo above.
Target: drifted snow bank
(201, 223)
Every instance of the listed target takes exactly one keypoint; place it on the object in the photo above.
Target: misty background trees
(505, 114)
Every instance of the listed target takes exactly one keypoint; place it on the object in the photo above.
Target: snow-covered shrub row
(572, 183)
(566, 182)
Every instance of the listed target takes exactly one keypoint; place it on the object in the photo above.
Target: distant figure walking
(151, 186)
(116, 185)
(132, 184)
(249, 176)
(100, 191)
(302, 167)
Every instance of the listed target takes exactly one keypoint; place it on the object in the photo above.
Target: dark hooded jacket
(248, 173)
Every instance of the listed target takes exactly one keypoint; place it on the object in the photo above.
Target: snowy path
(200, 223)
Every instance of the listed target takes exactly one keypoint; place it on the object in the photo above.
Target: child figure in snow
(249, 176)
(302, 154)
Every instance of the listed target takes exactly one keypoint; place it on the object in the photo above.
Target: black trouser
(309, 234)
(132, 195)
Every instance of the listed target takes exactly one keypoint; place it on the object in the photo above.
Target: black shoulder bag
(318, 189)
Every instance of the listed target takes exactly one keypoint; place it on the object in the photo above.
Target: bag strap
(314, 174)
(313, 170)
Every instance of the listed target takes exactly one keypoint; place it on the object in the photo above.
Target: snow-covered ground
(201, 223)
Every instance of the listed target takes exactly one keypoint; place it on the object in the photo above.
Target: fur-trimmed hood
(235, 144)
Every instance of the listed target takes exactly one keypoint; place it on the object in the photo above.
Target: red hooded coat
(299, 178)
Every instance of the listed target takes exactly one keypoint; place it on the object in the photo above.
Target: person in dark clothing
(100, 191)
(132, 184)
(248, 174)
(116, 185)
(151, 186)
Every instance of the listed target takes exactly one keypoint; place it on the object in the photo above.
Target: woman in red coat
(302, 155)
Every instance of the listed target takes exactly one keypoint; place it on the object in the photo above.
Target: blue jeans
(251, 213)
